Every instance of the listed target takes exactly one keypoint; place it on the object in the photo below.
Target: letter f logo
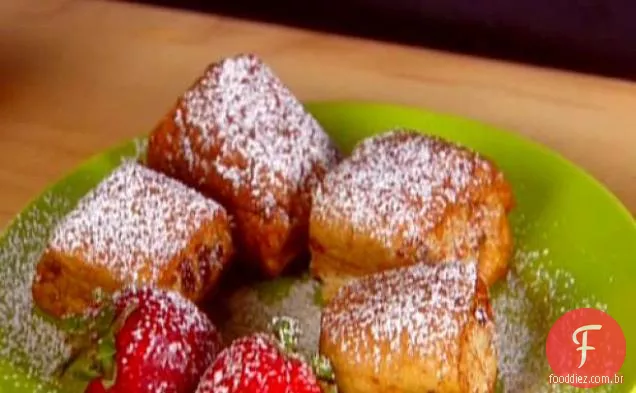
(584, 347)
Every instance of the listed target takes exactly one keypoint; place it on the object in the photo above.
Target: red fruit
(258, 364)
(162, 344)
(96, 386)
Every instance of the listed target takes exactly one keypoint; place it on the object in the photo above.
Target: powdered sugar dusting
(249, 314)
(520, 334)
(253, 363)
(533, 297)
(17, 381)
(241, 122)
(244, 359)
(25, 337)
(133, 216)
(170, 333)
(427, 304)
(398, 184)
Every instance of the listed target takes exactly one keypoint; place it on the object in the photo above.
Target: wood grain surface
(77, 77)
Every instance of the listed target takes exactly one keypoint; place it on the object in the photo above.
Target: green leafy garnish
(287, 331)
(322, 368)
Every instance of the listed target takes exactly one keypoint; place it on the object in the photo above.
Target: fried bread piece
(240, 136)
(421, 328)
(403, 197)
(135, 227)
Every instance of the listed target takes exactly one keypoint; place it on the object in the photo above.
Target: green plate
(576, 247)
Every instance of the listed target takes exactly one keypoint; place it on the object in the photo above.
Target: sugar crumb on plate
(27, 338)
(534, 295)
(249, 313)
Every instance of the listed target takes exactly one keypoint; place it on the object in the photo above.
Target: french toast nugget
(420, 328)
(136, 227)
(240, 136)
(402, 197)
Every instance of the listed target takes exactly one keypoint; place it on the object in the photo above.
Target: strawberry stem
(287, 332)
(106, 356)
(96, 352)
(322, 368)
(84, 369)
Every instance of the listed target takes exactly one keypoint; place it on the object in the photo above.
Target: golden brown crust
(403, 197)
(136, 227)
(66, 285)
(416, 329)
(478, 358)
(240, 136)
(271, 244)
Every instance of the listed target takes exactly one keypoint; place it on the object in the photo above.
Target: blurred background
(591, 36)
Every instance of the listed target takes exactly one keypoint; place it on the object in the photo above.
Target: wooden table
(79, 76)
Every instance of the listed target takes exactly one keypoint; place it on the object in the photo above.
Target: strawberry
(263, 363)
(96, 386)
(156, 342)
